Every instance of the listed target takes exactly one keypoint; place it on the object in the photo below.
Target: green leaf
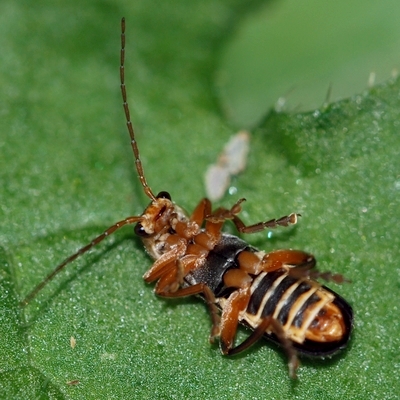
(67, 173)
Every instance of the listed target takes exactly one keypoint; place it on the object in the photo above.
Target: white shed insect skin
(217, 180)
(230, 162)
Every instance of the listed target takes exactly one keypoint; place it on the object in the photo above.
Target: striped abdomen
(311, 315)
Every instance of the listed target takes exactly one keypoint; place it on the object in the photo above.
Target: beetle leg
(287, 345)
(201, 210)
(203, 289)
(223, 214)
(301, 265)
(231, 311)
(172, 279)
(255, 263)
(315, 274)
(165, 263)
(212, 232)
(257, 334)
(290, 219)
(296, 260)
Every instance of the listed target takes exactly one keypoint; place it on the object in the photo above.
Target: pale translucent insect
(230, 162)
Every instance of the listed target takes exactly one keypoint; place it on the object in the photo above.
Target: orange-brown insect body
(273, 293)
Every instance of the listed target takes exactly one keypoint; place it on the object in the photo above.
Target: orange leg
(201, 211)
(212, 233)
(172, 279)
(292, 258)
(328, 276)
(235, 305)
(287, 345)
(301, 265)
(164, 264)
(290, 219)
(223, 214)
(252, 263)
(255, 336)
(232, 310)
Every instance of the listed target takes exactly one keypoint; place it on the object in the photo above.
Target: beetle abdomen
(317, 320)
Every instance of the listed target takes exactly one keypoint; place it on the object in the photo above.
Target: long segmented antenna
(135, 149)
(83, 250)
(120, 224)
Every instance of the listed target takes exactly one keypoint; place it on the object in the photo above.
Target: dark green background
(67, 173)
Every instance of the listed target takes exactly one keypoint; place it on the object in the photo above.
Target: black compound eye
(139, 230)
(164, 195)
